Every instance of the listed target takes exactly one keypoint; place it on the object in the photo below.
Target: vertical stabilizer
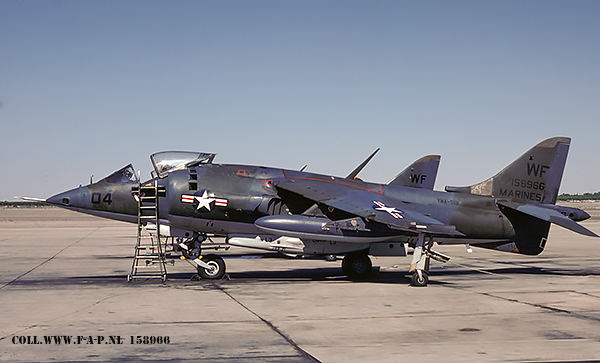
(533, 177)
(420, 174)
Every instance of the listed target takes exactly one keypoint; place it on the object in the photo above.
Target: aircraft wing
(369, 204)
(549, 215)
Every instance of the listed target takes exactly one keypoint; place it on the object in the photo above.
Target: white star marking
(391, 210)
(204, 201)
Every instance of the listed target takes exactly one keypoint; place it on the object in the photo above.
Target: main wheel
(419, 280)
(357, 265)
(216, 270)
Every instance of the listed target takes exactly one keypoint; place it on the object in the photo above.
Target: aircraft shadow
(322, 274)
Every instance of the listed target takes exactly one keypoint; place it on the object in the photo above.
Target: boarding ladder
(149, 257)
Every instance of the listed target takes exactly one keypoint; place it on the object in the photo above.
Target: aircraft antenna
(359, 168)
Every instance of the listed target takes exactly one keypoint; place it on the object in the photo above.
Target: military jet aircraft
(302, 212)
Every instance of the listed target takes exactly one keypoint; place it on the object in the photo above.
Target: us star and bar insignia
(206, 200)
(396, 213)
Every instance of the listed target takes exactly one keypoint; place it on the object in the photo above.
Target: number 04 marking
(97, 198)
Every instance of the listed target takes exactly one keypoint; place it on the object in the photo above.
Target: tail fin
(420, 174)
(533, 177)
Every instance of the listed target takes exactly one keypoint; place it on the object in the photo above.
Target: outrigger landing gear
(357, 265)
(421, 259)
(419, 278)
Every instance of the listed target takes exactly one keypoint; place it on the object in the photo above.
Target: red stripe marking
(187, 198)
(336, 182)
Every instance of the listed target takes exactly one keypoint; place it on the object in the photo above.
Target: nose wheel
(209, 267)
(213, 268)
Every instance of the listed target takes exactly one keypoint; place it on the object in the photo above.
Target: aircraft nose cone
(70, 198)
(59, 199)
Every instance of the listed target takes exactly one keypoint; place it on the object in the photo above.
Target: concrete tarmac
(63, 274)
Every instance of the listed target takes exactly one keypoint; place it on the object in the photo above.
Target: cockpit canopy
(165, 162)
(121, 176)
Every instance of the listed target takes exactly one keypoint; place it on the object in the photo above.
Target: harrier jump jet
(261, 207)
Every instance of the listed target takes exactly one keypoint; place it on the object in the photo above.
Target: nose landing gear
(209, 267)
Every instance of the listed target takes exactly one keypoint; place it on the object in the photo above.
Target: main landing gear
(357, 265)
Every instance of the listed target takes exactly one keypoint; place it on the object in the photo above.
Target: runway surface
(63, 274)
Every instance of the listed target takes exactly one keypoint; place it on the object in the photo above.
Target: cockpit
(124, 175)
(165, 162)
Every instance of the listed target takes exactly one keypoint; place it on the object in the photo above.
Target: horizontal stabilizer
(549, 215)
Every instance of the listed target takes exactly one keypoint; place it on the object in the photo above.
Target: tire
(218, 268)
(420, 281)
(357, 265)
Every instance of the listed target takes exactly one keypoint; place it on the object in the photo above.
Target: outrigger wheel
(357, 265)
(216, 270)
(419, 278)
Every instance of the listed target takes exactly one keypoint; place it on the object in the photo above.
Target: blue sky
(89, 87)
